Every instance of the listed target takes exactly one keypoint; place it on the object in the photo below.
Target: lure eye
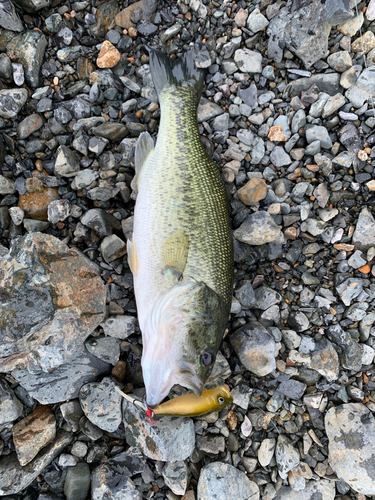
(207, 358)
(220, 400)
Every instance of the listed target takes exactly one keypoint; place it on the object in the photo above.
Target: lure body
(191, 405)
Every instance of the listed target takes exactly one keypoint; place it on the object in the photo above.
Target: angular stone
(59, 296)
(101, 221)
(33, 433)
(119, 327)
(340, 61)
(351, 433)
(349, 290)
(221, 481)
(171, 440)
(287, 457)
(254, 191)
(333, 104)
(105, 348)
(67, 162)
(323, 489)
(9, 19)
(108, 56)
(255, 348)
(364, 43)
(6, 186)
(10, 406)
(352, 26)
(279, 157)
(364, 234)
(104, 17)
(29, 125)
(319, 133)
(112, 131)
(248, 61)
(142, 9)
(58, 210)
(265, 298)
(276, 134)
(256, 21)
(112, 248)
(351, 351)
(292, 389)
(111, 480)
(77, 482)
(14, 478)
(11, 102)
(65, 382)
(176, 475)
(259, 228)
(266, 451)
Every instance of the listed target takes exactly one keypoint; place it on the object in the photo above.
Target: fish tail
(169, 74)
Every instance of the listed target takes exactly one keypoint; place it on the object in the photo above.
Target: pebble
(11, 407)
(176, 475)
(364, 234)
(266, 451)
(11, 102)
(247, 61)
(259, 228)
(108, 56)
(254, 191)
(112, 248)
(77, 482)
(256, 21)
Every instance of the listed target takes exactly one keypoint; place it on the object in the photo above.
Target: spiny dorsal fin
(144, 146)
(175, 254)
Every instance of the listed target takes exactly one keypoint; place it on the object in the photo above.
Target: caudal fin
(169, 73)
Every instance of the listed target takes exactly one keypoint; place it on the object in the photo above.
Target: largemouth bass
(181, 251)
(191, 405)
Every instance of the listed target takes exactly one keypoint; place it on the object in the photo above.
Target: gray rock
(257, 152)
(11, 407)
(54, 301)
(5, 65)
(15, 479)
(351, 351)
(221, 122)
(323, 489)
(29, 125)
(18, 74)
(259, 228)
(210, 444)
(266, 297)
(85, 178)
(248, 61)
(53, 23)
(11, 102)
(105, 348)
(349, 290)
(35, 226)
(365, 326)
(113, 481)
(351, 433)
(6, 186)
(364, 234)
(171, 440)
(322, 358)
(176, 476)
(58, 210)
(266, 451)
(17, 215)
(350, 76)
(119, 327)
(256, 21)
(322, 195)
(64, 382)
(340, 61)
(337, 11)
(101, 404)
(292, 389)
(67, 162)
(298, 321)
(112, 248)
(299, 120)
(9, 19)
(333, 104)
(249, 96)
(319, 133)
(279, 157)
(222, 481)
(206, 111)
(77, 482)
(287, 457)
(246, 295)
(72, 413)
(328, 83)
(255, 348)
(101, 221)
(357, 260)
(316, 109)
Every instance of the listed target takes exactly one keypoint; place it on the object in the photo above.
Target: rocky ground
(287, 114)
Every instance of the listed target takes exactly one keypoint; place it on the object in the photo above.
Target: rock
(112, 481)
(333, 104)
(63, 301)
(104, 17)
(364, 234)
(210, 444)
(298, 321)
(9, 19)
(287, 457)
(171, 440)
(256, 21)
(32, 5)
(357, 260)
(176, 475)
(255, 348)
(34, 203)
(58, 210)
(14, 478)
(370, 12)
(112, 131)
(240, 18)
(17, 215)
(259, 228)
(352, 26)
(142, 9)
(77, 482)
(351, 351)
(28, 49)
(250, 96)
(323, 489)
(11, 407)
(64, 382)
(11, 102)
(276, 134)
(254, 191)
(112, 248)
(266, 451)
(100, 220)
(340, 61)
(292, 389)
(279, 157)
(53, 23)
(364, 43)
(222, 481)
(248, 61)
(101, 404)
(105, 348)
(29, 125)
(67, 162)
(72, 413)
(265, 298)
(119, 327)
(33, 433)
(319, 133)
(351, 433)
(5, 65)
(108, 56)
(6, 186)
(349, 290)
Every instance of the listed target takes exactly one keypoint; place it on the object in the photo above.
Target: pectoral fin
(144, 146)
(132, 257)
(174, 255)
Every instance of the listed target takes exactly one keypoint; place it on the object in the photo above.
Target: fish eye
(207, 358)
(220, 400)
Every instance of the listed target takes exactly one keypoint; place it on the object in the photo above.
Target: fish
(181, 249)
(190, 405)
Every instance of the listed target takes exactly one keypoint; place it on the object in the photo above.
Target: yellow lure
(191, 405)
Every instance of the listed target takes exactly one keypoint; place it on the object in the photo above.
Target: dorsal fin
(144, 146)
